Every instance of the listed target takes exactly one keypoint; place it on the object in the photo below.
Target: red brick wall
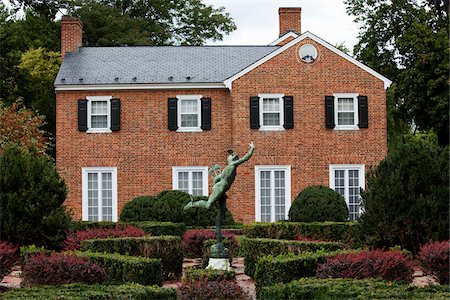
(144, 150)
(289, 18)
(71, 34)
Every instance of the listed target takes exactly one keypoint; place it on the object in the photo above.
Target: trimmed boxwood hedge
(287, 267)
(168, 248)
(83, 225)
(311, 288)
(211, 275)
(97, 292)
(327, 231)
(160, 228)
(124, 268)
(252, 249)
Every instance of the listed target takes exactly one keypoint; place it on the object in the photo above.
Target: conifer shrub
(318, 204)
(139, 209)
(59, 268)
(406, 198)
(434, 260)
(8, 258)
(31, 199)
(387, 265)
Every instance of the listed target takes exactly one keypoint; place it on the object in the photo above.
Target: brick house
(135, 121)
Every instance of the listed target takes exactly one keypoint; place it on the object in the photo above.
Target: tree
(406, 198)
(407, 41)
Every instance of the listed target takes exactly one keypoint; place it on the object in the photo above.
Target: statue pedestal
(219, 264)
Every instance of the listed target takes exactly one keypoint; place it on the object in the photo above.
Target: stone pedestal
(219, 264)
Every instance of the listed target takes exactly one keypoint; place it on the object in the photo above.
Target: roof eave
(139, 86)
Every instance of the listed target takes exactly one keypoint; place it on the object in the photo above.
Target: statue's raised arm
(246, 156)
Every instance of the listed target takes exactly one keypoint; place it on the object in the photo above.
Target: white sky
(257, 20)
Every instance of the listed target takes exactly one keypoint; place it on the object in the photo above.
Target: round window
(308, 53)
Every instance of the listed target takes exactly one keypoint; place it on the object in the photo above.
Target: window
(346, 111)
(189, 112)
(347, 180)
(273, 193)
(271, 112)
(99, 116)
(99, 186)
(192, 180)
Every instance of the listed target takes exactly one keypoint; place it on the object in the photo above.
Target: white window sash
(190, 170)
(90, 99)
(85, 200)
(199, 113)
(262, 112)
(287, 198)
(355, 111)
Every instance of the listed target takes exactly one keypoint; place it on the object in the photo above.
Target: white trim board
(228, 82)
(190, 169)
(283, 37)
(138, 86)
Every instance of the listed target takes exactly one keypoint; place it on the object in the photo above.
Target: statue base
(222, 264)
(218, 250)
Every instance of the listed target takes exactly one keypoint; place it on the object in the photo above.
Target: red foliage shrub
(58, 268)
(203, 289)
(193, 241)
(8, 257)
(74, 239)
(434, 260)
(302, 238)
(388, 265)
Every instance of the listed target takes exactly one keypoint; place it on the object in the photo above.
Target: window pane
(265, 196)
(339, 181)
(107, 196)
(346, 118)
(189, 120)
(99, 107)
(183, 181)
(92, 196)
(197, 183)
(345, 104)
(271, 104)
(99, 121)
(189, 106)
(270, 119)
(280, 198)
(353, 194)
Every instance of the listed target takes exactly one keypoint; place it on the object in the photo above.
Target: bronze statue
(222, 183)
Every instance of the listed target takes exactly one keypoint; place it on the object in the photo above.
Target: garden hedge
(83, 225)
(168, 248)
(97, 292)
(327, 231)
(124, 268)
(284, 268)
(252, 249)
(161, 228)
(193, 275)
(312, 288)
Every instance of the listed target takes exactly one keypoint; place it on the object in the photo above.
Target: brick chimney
(71, 34)
(290, 19)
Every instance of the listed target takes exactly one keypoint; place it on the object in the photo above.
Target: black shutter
(254, 112)
(363, 114)
(172, 114)
(329, 112)
(288, 112)
(206, 113)
(82, 115)
(115, 114)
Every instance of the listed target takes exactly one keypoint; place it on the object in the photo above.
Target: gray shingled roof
(159, 64)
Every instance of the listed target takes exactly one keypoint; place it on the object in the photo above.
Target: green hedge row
(160, 228)
(252, 249)
(311, 288)
(168, 248)
(284, 268)
(83, 225)
(124, 268)
(97, 292)
(344, 232)
(211, 275)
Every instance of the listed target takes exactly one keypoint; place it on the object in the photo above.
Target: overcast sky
(257, 20)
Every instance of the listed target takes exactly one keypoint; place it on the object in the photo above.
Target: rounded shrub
(434, 260)
(318, 204)
(31, 199)
(139, 209)
(406, 198)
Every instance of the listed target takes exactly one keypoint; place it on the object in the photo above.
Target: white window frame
(89, 117)
(261, 112)
(199, 113)
(204, 170)
(258, 169)
(84, 172)
(355, 108)
(346, 167)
